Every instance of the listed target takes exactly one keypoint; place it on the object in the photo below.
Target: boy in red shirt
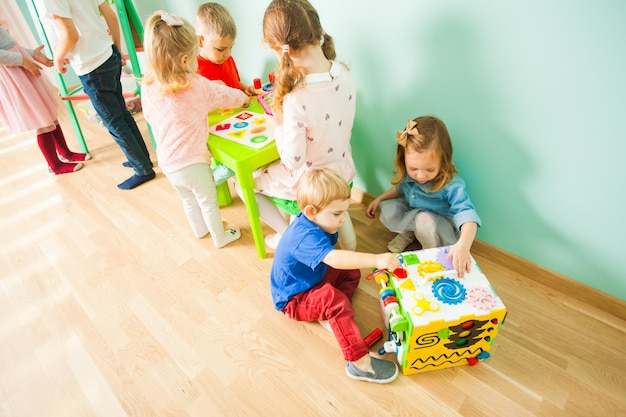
(216, 32)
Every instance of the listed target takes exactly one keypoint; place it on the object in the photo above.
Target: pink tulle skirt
(27, 102)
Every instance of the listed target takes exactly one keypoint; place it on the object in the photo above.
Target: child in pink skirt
(29, 104)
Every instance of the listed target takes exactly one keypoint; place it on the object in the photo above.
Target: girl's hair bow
(411, 129)
(170, 19)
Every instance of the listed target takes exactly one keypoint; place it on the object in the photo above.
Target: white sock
(226, 237)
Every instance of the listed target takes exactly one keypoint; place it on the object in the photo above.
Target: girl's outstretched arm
(387, 195)
(460, 251)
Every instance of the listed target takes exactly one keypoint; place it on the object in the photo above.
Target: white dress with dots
(316, 130)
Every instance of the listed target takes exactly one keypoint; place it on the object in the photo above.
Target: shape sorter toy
(435, 319)
(245, 127)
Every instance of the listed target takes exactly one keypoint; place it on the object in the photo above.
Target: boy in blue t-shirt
(311, 280)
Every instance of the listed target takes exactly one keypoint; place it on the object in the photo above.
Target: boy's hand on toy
(387, 261)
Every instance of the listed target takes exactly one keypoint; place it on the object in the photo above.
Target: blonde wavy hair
(320, 187)
(297, 24)
(165, 45)
(425, 134)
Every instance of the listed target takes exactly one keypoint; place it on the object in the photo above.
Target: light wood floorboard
(109, 307)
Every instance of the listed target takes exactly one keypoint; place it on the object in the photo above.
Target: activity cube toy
(435, 319)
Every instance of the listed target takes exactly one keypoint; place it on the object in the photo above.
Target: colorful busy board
(436, 319)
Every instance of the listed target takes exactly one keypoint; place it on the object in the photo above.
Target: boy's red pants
(331, 300)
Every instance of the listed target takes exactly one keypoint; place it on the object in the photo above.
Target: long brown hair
(294, 23)
(425, 134)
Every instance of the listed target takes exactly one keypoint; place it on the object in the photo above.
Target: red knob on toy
(257, 83)
(400, 272)
(373, 337)
(270, 76)
(389, 300)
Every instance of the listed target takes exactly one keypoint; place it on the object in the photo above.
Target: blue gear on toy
(448, 291)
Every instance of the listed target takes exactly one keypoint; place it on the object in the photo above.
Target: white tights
(194, 184)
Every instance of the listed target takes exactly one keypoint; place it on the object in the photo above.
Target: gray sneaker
(384, 372)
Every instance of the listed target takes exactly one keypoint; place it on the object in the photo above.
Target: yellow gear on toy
(428, 267)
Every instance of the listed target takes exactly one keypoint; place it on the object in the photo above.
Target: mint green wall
(533, 94)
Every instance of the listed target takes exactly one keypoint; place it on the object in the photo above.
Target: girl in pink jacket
(176, 102)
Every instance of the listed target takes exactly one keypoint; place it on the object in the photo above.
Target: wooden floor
(109, 307)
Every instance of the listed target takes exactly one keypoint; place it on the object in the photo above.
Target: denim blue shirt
(452, 200)
(297, 265)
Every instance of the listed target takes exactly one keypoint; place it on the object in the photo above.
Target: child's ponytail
(287, 78)
(328, 46)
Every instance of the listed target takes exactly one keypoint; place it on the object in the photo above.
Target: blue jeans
(104, 88)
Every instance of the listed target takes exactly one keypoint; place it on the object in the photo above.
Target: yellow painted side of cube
(442, 344)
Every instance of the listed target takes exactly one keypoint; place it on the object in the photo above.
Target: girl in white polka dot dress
(314, 104)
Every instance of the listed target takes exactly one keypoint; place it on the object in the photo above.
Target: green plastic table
(243, 160)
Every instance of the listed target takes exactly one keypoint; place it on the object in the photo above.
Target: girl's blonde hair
(292, 23)
(215, 22)
(426, 134)
(166, 43)
(320, 187)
